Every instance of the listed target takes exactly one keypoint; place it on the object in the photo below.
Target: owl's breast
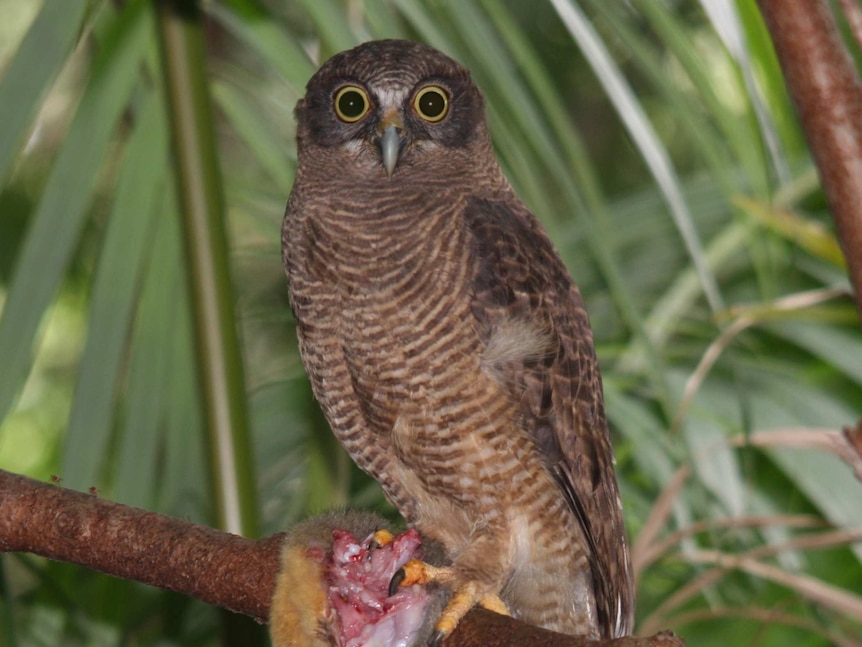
(406, 330)
(395, 276)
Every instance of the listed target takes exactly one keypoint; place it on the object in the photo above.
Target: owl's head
(388, 105)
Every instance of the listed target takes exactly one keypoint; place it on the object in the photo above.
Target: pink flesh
(358, 581)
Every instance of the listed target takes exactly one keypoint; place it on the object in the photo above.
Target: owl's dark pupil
(351, 104)
(432, 104)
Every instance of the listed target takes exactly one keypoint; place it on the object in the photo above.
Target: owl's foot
(380, 539)
(466, 595)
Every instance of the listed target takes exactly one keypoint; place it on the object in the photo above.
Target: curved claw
(395, 582)
(436, 639)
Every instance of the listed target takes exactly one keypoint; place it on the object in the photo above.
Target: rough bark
(67, 526)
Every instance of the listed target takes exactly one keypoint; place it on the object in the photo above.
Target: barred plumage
(446, 343)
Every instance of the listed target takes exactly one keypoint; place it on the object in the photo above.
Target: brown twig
(768, 617)
(807, 586)
(825, 88)
(851, 449)
(657, 520)
(662, 547)
(845, 444)
(213, 566)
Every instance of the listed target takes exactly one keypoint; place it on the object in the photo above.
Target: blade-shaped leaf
(128, 240)
(268, 151)
(149, 376)
(62, 209)
(37, 62)
(642, 132)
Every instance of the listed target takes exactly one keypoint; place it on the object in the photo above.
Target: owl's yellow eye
(431, 103)
(351, 103)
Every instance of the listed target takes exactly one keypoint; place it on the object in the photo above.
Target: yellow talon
(459, 605)
(493, 602)
(465, 597)
(382, 537)
(418, 572)
(414, 573)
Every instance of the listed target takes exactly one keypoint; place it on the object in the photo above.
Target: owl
(447, 344)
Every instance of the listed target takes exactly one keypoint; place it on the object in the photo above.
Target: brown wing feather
(520, 277)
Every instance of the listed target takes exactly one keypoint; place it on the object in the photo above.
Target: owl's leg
(467, 593)
(465, 598)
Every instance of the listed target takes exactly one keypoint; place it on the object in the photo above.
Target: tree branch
(825, 88)
(67, 526)
(216, 567)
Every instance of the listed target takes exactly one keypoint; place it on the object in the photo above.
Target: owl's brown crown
(391, 63)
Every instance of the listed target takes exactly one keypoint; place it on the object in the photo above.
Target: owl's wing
(522, 290)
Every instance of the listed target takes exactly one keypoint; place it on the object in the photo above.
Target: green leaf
(826, 480)
(653, 151)
(116, 285)
(253, 130)
(183, 487)
(840, 348)
(38, 61)
(333, 27)
(257, 30)
(62, 208)
(149, 372)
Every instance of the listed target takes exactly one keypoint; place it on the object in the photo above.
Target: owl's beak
(390, 148)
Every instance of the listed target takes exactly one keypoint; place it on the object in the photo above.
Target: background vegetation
(654, 139)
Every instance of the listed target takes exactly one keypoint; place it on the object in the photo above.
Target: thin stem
(202, 206)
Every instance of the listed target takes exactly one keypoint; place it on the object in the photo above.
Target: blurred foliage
(654, 139)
